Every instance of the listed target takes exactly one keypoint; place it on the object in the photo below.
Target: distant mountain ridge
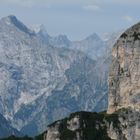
(92, 46)
(13, 21)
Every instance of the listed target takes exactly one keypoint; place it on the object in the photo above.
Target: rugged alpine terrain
(40, 83)
(122, 120)
(59, 41)
(93, 46)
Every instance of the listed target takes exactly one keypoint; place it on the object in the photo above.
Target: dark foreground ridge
(78, 126)
(39, 137)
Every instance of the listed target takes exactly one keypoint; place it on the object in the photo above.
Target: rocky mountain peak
(124, 78)
(39, 78)
(9, 18)
(11, 21)
(93, 36)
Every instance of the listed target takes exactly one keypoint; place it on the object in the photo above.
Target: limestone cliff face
(124, 78)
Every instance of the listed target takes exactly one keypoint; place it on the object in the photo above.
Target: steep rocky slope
(122, 121)
(124, 75)
(38, 81)
(59, 41)
(124, 80)
(6, 129)
(93, 46)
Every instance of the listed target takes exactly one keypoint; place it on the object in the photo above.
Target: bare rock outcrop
(124, 78)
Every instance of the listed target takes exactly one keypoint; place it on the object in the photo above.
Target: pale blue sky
(75, 18)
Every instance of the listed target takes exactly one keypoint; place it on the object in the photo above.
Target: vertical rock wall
(124, 78)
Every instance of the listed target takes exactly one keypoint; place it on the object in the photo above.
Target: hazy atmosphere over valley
(69, 70)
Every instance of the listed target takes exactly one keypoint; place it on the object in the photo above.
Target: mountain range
(121, 121)
(44, 78)
(93, 46)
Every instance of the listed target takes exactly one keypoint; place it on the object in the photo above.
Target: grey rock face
(59, 41)
(97, 49)
(38, 81)
(124, 82)
(93, 46)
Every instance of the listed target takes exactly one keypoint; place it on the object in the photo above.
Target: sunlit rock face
(124, 83)
(124, 78)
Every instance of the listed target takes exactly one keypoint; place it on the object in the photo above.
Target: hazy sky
(75, 18)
